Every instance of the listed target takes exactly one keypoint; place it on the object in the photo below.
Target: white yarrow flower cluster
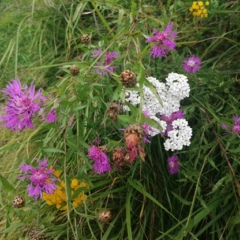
(171, 93)
(179, 136)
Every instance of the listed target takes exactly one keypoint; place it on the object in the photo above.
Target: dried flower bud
(35, 234)
(118, 156)
(74, 70)
(105, 216)
(134, 129)
(114, 110)
(103, 148)
(85, 38)
(133, 135)
(128, 79)
(18, 201)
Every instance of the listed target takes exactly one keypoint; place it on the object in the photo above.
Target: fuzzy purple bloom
(163, 41)
(173, 165)
(101, 162)
(108, 60)
(177, 115)
(41, 179)
(22, 103)
(236, 125)
(191, 64)
(51, 116)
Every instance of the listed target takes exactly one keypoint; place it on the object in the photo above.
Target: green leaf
(126, 119)
(6, 184)
(182, 200)
(53, 150)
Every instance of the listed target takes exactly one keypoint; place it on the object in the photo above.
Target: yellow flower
(74, 183)
(207, 3)
(200, 3)
(57, 173)
(63, 184)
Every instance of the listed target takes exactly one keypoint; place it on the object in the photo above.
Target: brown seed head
(128, 79)
(74, 70)
(18, 201)
(85, 38)
(105, 216)
(114, 110)
(118, 156)
(35, 234)
(134, 129)
(103, 148)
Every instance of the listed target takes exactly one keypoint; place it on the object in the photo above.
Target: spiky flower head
(85, 38)
(236, 125)
(106, 67)
(22, 104)
(118, 156)
(173, 165)
(18, 201)
(36, 234)
(51, 116)
(114, 110)
(41, 178)
(133, 135)
(101, 162)
(105, 216)
(191, 64)
(162, 41)
(128, 79)
(74, 70)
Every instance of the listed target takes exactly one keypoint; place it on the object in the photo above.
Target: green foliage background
(40, 40)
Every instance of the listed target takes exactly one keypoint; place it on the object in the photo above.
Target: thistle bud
(74, 70)
(128, 79)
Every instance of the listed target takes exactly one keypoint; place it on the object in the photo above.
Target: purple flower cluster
(163, 41)
(235, 127)
(23, 103)
(191, 64)
(101, 162)
(41, 179)
(173, 165)
(105, 68)
(51, 116)
(177, 115)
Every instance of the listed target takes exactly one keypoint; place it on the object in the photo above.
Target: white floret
(179, 136)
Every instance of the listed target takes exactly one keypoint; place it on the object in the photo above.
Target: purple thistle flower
(41, 179)
(21, 105)
(236, 125)
(108, 59)
(191, 64)
(101, 162)
(163, 41)
(173, 165)
(51, 116)
(177, 115)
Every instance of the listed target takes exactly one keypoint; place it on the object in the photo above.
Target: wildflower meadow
(119, 120)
